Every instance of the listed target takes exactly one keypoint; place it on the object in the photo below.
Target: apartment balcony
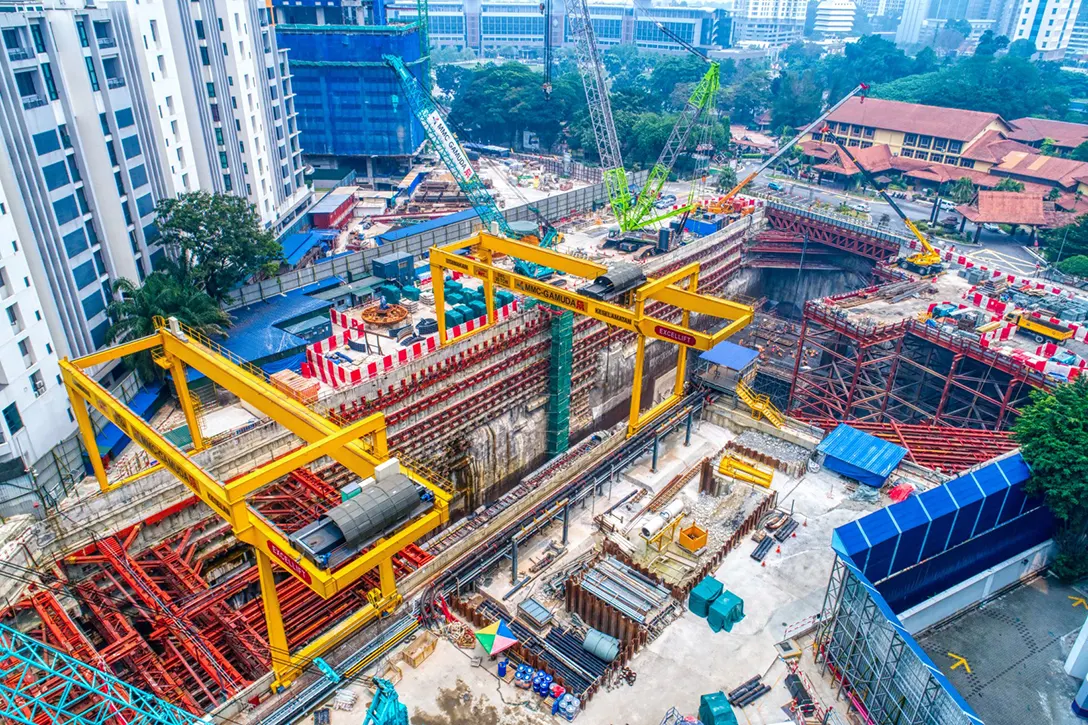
(35, 101)
(115, 82)
(19, 54)
(107, 43)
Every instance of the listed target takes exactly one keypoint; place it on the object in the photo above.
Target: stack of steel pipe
(625, 589)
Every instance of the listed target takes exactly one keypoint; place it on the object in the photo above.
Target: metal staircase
(760, 405)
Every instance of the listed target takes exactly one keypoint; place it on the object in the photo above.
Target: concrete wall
(978, 588)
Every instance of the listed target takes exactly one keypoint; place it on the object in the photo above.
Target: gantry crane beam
(678, 289)
(176, 348)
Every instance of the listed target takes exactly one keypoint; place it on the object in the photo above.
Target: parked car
(859, 206)
(774, 186)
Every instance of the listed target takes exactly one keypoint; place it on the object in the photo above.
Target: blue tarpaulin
(111, 440)
(858, 455)
(729, 355)
(295, 246)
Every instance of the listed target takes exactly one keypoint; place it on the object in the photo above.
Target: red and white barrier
(337, 374)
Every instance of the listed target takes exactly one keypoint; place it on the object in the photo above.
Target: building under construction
(511, 427)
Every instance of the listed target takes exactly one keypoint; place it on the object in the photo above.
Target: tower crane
(725, 203)
(633, 213)
(927, 261)
(457, 161)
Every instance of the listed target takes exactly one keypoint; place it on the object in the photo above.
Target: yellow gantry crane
(615, 296)
(360, 447)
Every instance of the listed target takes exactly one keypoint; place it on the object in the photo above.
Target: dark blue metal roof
(730, 355)
(427, 226)
(859, 455)
(295, 246)
(111, 439)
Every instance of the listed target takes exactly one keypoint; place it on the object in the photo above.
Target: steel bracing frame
(873, 661)
(818, 228)
(903, 372)
(41, 684)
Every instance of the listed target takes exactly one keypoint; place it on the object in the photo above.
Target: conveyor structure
(397, 509)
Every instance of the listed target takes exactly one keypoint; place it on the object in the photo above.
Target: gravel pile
(772, 446)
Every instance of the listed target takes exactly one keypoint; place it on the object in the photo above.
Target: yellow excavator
(927, 261)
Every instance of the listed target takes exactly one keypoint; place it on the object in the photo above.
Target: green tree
(1080, 153)
(217, 241)
(796, 99)
(1009, 185)
(989, 43)
(1051, 431)
(1049, 148)
(1022, 48)
(1069, 241)
(162, 295)
(750, 97)
(960, 26)
(925, 61)
(962, 191)
(1076, 265)
(671, 71)
(1054, 194)
(727, 178)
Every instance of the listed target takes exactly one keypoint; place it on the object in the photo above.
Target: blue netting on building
(348, 102)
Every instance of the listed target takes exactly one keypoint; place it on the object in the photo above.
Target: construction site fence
(356, 265)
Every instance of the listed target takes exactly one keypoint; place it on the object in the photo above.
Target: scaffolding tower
(559, 379)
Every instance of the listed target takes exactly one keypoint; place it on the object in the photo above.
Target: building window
(227, 183)
(924, 142)
(56, 175)
(84, 275)
(211, 90)
(127, 214)
(75, 242)
(92, 73)
(112, 152)
(219, 136)
(199, 25)
(907, 153)
(66, 209)
(14, 319)
(910, 139)
(215, 112)
(967, 163)
(131, 146)
(104, 123)
(118, 183)
(223, 159)
(36, 34)
(204, 60)
(936, 158)
(93, 305)
(138, 175)
(13, 419)
(124, 118)
(954, 147)
(50, 83)
(922, 156)
(940, 144)
(81, 28)
(145, 205)
(64, 139)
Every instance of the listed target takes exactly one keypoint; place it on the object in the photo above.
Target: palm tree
(162, 295)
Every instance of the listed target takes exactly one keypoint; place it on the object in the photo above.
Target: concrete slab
(1015, 646)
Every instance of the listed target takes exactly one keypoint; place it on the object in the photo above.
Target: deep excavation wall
(476, 410)
(793, 287)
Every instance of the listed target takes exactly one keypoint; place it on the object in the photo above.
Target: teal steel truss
(41, 684)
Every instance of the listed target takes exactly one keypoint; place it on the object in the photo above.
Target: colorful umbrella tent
(496, 637)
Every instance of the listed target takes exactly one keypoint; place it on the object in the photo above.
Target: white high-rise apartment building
(34, 412)
(778, 22)
(1046, 23)
(236, 94)
(83, 158)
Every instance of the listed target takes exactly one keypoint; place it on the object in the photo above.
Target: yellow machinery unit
(1042, 330)
(360, 447)
(740, 469)
(622, 305)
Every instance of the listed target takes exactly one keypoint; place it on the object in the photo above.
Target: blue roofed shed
(426, 226)
(858, 455)
(296, 246)
(729, 355)
(111, 440)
